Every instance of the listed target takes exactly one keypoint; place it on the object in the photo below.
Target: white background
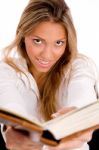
(85, 15)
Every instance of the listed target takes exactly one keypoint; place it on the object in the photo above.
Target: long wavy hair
(34, 13)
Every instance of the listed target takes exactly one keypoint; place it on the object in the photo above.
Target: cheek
(31, 53)
(59, 53)
(30, 49)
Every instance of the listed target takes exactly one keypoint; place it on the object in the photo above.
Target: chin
(43, 70)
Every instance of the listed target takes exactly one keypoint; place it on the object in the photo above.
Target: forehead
(49, 29)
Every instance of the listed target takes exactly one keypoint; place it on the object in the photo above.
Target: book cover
(54, 130)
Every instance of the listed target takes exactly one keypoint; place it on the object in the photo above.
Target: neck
(39, 77)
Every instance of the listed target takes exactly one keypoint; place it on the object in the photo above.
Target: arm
(20, 140)
(81, 89)
(11, 98)
(79, 92)
(76, 141)
(17, 140)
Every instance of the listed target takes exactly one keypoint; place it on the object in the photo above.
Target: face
(45, 45)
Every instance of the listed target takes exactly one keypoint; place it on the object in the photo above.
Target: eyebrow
(64, 38)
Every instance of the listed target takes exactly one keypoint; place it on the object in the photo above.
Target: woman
(47, 74)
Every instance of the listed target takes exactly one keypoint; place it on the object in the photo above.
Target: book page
(19, 115)
(79, 120)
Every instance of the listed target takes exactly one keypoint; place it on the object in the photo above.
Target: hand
(16, 140)
(64, 110)
(74, 141)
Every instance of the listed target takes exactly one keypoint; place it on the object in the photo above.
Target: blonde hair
(35, 12)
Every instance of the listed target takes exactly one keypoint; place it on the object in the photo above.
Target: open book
(54, 130)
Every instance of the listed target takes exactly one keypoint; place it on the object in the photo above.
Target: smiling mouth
(43, 63)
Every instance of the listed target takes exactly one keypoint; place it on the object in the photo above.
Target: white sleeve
(9, 93)
(10, 96)
(83, 79)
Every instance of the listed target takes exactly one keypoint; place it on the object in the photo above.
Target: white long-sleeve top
(21, 94)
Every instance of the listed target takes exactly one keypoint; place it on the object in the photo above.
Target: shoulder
(84, 65)
(7, 73)
(82, 60)
(20, 63)
(81, 82)
(10, 77)
(4, 67)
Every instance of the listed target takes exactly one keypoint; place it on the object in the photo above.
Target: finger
(63, 111)
(8, 128)
(94, 128)
(84, 136)
(68, 145)
(14, 138)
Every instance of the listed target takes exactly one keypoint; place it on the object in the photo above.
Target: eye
(59, 43)
(37, 41)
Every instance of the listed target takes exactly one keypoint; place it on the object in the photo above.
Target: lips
(43, 63)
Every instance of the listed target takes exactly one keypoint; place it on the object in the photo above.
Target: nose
(47, 52)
